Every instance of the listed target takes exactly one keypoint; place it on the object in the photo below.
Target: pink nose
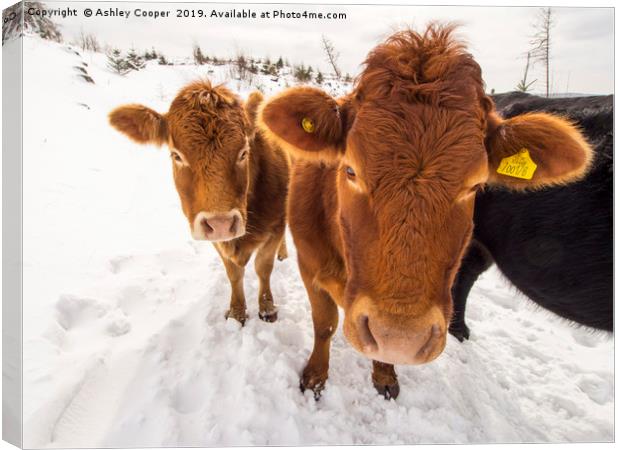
(416, 347)
(395, 338)
(221, 227)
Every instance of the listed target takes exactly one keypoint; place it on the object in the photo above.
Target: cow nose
(395, 339)
(219, 226)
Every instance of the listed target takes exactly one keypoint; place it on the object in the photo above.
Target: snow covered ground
(125, 338)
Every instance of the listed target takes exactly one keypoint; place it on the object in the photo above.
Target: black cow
(554, 245)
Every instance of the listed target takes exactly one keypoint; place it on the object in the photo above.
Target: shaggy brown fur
(219, 163)
(381, 199)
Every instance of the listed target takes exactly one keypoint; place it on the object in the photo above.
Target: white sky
(582, 38)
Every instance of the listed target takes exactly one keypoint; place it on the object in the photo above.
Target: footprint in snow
(119, 263)
(586, 337)
(73, 311)
(597, 388)
(505, 300)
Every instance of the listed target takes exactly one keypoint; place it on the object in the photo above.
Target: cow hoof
(239, 317)
(316, 391)
(461, 332)
(268, 316)
(388, 391)
(313, 382)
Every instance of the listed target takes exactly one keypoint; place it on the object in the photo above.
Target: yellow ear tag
(307, 125)
(519, 165)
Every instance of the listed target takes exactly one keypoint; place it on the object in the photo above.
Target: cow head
(208, 132)
(413, 143)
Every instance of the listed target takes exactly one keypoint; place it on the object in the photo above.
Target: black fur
(554, 245)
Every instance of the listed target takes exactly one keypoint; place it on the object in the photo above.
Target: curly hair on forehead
(207, 111)
(203, 95)
(431, 67)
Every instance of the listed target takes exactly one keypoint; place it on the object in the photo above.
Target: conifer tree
(134, 61)
(302, 73)
(319, 78)
(116, 62)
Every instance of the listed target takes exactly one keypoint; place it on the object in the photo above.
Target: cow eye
(350, 172)
(243, 155)
(176, 157)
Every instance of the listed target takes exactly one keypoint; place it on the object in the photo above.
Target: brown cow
(231, 182)
(382, 193)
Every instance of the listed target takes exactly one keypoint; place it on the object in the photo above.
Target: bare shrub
(88, 42)
(242, 68)
(199, 57)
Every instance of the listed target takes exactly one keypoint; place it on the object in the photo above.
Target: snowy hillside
(124, 331)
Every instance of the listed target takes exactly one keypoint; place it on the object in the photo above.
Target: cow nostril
(367, 339)
(431, 344)
(234, 224)
(208, 228)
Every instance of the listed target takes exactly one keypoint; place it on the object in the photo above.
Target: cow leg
(476, 260)
(235, 270)
(282, 251)
(325, 321)
(385, 380)
(267, 311)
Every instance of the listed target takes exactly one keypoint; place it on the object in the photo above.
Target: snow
(125, 341)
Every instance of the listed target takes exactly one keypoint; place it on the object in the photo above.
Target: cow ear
(306, 122)
(251, 110)
(140, 123)
(535, 150)
(251, 105)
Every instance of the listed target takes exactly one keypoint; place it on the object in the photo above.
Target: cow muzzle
(218, 226)
(394, 338)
